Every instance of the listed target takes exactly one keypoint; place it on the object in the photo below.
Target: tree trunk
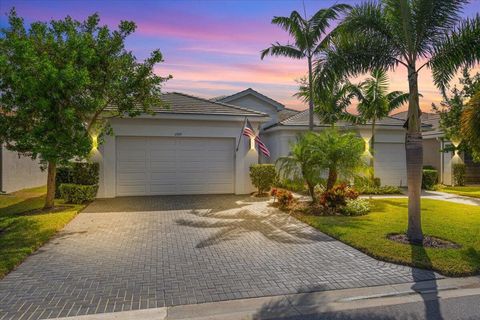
(332, 178)
(311, 190)
(310, 94)
(50, 198)
(372, 151)
(414, 159)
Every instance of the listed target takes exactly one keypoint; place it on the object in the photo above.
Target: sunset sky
(211, 48)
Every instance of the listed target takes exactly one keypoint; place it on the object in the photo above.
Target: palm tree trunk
(311, 190)
(52, 172)
(372, 151)
(310, 94)
(414, 159)
(332, 178)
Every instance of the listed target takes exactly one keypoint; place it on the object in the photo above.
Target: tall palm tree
(309, 36)
(410, 34)
(330, 100)
(375, 103)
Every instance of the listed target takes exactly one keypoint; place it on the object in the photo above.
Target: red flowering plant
(337, 197)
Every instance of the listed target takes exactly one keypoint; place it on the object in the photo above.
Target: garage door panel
(390, 165)
(168, 165)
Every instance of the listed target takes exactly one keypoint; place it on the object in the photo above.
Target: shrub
(78, 194)
(360, 181)
(284, 197)
(356, 207)
(378, 190)
(337, 196)
(429, 178)
(458, 174)
(295, 184)
(64, 175)
(84, 173)
(263, 176)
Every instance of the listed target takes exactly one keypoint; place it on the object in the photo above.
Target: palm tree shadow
(428, 290)
(233, 223)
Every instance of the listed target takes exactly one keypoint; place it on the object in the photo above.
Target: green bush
(295, 185)
(356, 207)
(378, 190)
(63, 175)
(361, 181)
(263, 176)
(458, 174)
(84, 173)
(429, 178)
(77, 193)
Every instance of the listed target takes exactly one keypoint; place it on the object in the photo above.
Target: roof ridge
(217, 102)
(255, 91)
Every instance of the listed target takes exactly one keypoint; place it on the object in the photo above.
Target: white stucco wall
(253, 103)
(390, 165)
(20, 172)
(244, 157)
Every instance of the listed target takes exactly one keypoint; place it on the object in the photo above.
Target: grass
(25, 226)
(450, 221)
(467, 191)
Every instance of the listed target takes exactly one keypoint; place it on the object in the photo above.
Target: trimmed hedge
(263, 176)
(459, 174)
(429, 178)
(84, 173)
(77, 193)
(378, 190)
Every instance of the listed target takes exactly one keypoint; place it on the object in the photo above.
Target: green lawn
(450, 221)
(24, 226)
(467, 191)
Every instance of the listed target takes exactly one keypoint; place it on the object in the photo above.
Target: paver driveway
(142, 252)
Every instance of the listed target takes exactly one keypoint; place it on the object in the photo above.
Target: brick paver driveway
(143, 252)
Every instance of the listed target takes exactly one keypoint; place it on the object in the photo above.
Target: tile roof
(228, 98)
(302, 119)
(430, 121)
(181, 103)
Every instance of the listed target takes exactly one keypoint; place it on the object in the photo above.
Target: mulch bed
(428, 241)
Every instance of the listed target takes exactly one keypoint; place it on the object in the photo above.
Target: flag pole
(241, 133)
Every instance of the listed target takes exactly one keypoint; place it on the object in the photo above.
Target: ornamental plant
(263, 176)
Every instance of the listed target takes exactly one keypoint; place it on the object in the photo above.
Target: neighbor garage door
(167, 165)
(390, 164)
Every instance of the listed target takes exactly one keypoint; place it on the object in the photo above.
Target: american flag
(248, 132)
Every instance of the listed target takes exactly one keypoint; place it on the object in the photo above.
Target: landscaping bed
(457, 223)
(25, 226)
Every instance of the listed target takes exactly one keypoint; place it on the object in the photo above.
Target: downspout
(442, 160)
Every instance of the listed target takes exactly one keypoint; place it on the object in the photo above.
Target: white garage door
(167, 165)
(390, 165)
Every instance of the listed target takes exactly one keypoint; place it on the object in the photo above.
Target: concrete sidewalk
(302, 306)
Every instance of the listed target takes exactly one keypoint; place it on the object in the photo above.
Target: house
(19, 172)
(195, 146)
(434, 142)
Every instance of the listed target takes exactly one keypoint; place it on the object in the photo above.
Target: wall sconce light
(252, 143)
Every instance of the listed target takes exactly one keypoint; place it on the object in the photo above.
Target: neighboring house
(434, 142)
(18, 172)
(389, 143)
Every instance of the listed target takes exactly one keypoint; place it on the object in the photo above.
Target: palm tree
(375, 103)
(338, 153)
(330, 100)
(302, 162)
(310, 37)
(411, 34)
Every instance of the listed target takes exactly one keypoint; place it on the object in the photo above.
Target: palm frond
(320, 21)
(295, 25)
(433, 19)
(459, 49)
(396, 99)
(282, 50)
